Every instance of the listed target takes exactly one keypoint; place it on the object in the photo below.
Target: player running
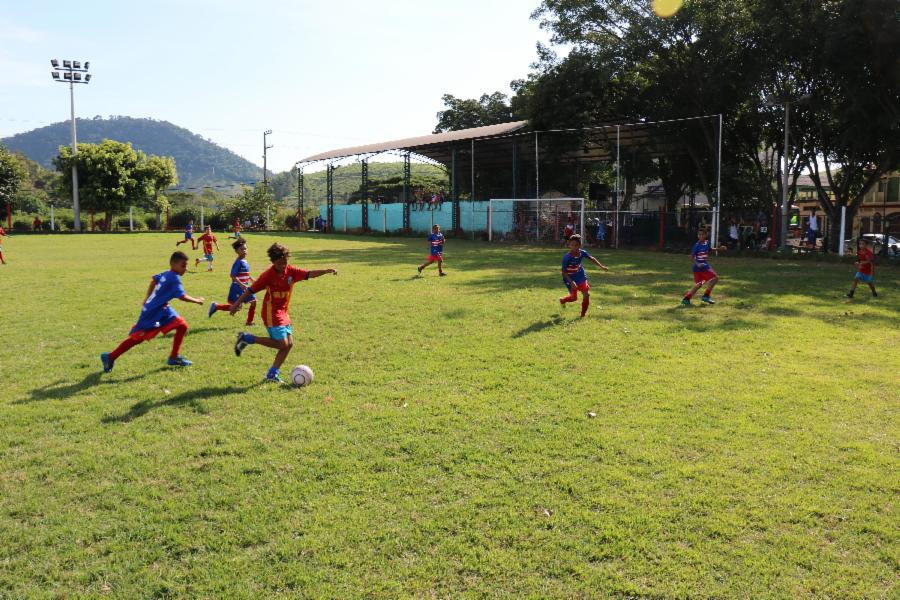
(278, 281)
(240, 282)
(703, 273)
(157, 317)
(436, 239)
(574, 276)
(188, 235)
(237, 230)
(865, 265)
(208, 239)
(3, 234)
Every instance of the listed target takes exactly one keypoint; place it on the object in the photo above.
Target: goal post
(534, 219)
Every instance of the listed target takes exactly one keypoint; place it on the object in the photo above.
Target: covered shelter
(512, 160)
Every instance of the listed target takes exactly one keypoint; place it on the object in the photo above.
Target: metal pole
(52, 220)
(718, 186)
(582, 221)
(76, 207)
(130, 218)
(490, 220)
(618, 156)
(472, 157)
(843, 230)
(784, 191)
(537, 168)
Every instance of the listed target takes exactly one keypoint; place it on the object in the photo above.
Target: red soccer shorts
(142, 335)
(582, 287)
(435, 258)
(704, 276)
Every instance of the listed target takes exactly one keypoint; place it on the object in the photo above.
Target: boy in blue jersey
(188, 235)
(157, 317)
(703, 273)
(436, 239)
(240, 281)
(574, 277)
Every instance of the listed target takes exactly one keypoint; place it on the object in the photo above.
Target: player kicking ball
(703, 273)
(240, 281)
(574, 277)
(278, 281)
(436, 239)
(157, 317)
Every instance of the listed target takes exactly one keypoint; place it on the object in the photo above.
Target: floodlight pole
(71, 68)
(785, 175)
(266, 147)
(718, 187)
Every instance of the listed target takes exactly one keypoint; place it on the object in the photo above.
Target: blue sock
(272, 372)
(249, 338)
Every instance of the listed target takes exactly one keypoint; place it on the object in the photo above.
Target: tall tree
(157, 173)
(490, 109)
(11, 176)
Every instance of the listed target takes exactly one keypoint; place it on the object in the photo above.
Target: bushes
(21, 226)
(179, 218)
(150, 221)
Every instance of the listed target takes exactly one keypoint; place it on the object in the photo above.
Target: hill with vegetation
(200, 161)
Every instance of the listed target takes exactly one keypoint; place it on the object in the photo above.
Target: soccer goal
(534, 220)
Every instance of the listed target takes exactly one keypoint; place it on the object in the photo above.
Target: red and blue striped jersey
(573, 266)
(241, 271)
(700, 254)
(437, 243)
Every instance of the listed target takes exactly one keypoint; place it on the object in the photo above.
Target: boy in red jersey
(703, 273)
(865, 265)
(3, 234)
(157, 317)
(237, 230)
(278, 281)
(574, 276)
(240, 282)
(208, 239)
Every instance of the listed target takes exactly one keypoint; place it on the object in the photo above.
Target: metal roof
(422, 141)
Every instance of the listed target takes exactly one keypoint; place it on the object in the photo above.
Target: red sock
(180, 332)
(707, 293)
(689, 295)
(251, 314)
(223, 307)
(585, 302)
(126, 345)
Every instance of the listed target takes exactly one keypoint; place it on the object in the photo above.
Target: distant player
(865, 269)
(278, 281)
(157, 317)
(574, 276)
(569, 230)
(436, 239)
(240, 282)
(3, 234)
(208, 239)
(188, 235)
(703, 273)
(236, 228)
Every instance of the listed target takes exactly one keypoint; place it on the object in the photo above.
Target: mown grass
(749, 449)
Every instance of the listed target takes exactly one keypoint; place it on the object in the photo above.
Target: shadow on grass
(539, 326)
(59, 391)
(189, 398)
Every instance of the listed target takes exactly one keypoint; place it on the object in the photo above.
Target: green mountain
(200, 162)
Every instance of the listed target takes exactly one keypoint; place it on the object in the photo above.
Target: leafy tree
(157, 173)
(252, 202)
(11, 176)
(490, 109)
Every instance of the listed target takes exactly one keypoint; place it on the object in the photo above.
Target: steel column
(301, 219)
(365, 194)
(329, 194)
(407, 175)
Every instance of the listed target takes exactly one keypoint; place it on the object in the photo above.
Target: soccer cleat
(419, 269)
(178, 361)
(708, 300)
(240, 344)
(874, 294)
(685, 301)
(212, 308)
(108, 363)
(196, 262)
(276, 378)
(442, 274)
(849, 294)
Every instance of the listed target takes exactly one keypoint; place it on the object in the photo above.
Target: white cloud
(14, 32)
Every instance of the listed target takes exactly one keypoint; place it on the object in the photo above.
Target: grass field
(748, 449)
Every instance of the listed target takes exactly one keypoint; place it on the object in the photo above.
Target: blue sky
(319, 74)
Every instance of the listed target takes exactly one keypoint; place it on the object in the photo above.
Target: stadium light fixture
(72, 73)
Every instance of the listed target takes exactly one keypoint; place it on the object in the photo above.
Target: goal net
(533, 220)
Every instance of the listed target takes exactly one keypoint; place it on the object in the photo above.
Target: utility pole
(266, 147)
(72, 73)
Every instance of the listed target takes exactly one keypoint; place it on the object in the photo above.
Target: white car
(875, 242)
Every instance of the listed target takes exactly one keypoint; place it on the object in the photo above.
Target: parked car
(876, 240)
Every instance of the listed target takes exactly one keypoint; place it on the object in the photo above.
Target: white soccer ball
(301, 375)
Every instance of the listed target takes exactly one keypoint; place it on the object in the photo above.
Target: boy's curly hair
(238, 243)
(276, 252)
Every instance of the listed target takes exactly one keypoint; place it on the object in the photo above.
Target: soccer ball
(301, 375)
